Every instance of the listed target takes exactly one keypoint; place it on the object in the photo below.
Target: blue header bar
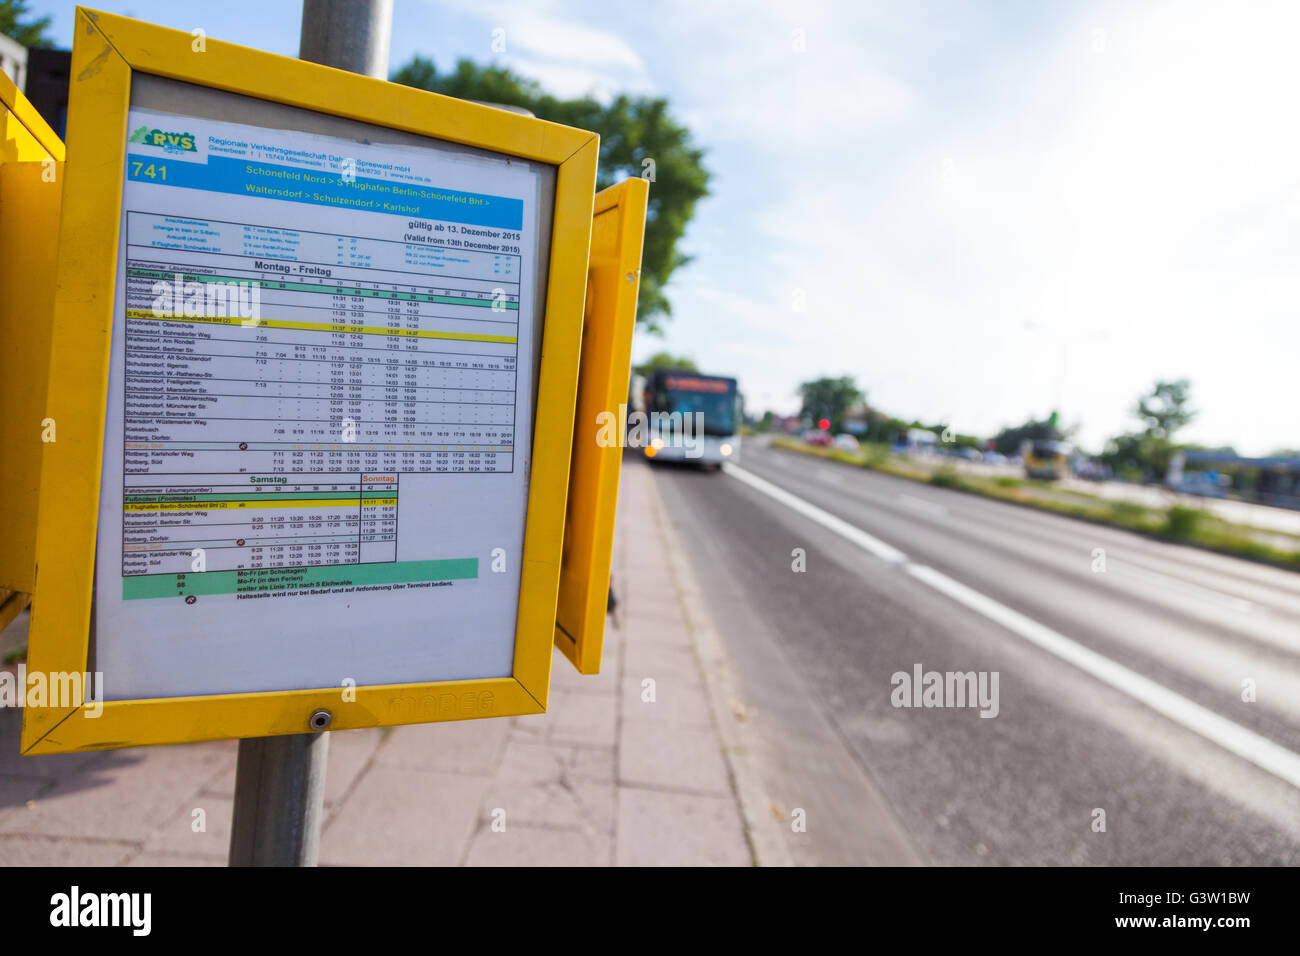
(241, 177)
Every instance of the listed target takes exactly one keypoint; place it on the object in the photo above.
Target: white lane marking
(824, 518)
(1259, 750)
(920, 504)
(1234, 738)
(1200, 591)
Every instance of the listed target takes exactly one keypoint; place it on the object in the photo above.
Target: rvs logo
(171, 142)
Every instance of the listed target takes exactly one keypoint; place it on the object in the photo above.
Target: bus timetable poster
(319, 415)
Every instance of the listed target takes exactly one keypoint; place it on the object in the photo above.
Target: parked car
(847, 442)
(815, 436)
(1091, 470)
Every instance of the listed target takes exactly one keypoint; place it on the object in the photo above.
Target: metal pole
(279, 800)
(280, 781)
(351, 35)
(1060, 380)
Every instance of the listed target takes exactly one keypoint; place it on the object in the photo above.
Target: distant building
(863, 420)
(857, 420)
(922, 441)
(1268, 481)
(13, 61)
(48, 73)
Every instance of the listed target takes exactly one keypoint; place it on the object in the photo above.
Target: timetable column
(378, 518)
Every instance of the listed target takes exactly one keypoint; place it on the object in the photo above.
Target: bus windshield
(715, 398)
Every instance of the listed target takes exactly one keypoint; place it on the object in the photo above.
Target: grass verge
(1180, 524)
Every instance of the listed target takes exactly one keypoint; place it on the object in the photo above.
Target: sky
(980, 211)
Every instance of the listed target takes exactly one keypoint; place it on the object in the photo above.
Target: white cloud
(935, 176)
(551, 44)
(761, 84)
(1149, 192)
(568, 81)
(545, 34)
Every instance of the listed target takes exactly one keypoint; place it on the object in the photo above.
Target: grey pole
(279, 800)
(280, 781)
(351, 35)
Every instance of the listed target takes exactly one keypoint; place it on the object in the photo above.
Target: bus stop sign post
(350, 35)
(170, 522)
(280, 781)
(278, 625)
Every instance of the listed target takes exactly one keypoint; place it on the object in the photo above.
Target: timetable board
(320, 400)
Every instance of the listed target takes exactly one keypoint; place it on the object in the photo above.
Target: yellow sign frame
(31, 190)
(106, 51)
(35, 140)
(613, 281)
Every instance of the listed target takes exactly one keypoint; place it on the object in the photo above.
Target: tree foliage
(665, 360)
(829, 398)
(1166, 409)
(29, 34)
(1146, 454)
(638, 137)
(1009, 440)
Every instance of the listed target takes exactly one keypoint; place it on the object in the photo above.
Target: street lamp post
(1064, 342)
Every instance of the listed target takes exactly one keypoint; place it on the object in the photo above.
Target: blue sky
(943, 199)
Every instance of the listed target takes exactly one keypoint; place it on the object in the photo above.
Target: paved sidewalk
(604, 778)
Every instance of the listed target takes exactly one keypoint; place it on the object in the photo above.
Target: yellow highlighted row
(223, 505)
(321, 327)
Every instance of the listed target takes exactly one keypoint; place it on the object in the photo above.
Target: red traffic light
(824, 424)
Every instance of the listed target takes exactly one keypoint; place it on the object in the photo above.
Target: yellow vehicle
(1046, 459)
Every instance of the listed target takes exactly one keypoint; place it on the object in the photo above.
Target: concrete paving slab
(656, 828)
(687, 759)
(525, 846)
(397, 816)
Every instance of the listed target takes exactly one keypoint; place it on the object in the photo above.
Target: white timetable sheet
(319, 415)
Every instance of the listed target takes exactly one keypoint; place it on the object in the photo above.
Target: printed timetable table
(278, 383)
(263, 521)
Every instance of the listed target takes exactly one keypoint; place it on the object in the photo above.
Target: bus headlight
(656, 443)
(651, 451)
(725, 449)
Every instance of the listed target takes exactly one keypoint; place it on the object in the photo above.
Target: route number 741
(151, 171)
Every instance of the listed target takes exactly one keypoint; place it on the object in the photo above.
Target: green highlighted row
(268, 580)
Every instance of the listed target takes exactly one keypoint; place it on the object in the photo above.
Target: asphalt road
(1119, 689)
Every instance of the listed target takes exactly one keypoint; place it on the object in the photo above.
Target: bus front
(693, 418)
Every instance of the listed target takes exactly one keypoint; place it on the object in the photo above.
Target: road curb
(740, 744)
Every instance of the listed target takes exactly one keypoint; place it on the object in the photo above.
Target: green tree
(31, 33)
(665, 360)
(1009, 440)
(1166, 409)
(829, 398)
(1129, 455)
(638, 137)
(1146, 454)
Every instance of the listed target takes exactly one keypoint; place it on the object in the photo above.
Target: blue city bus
(692, 417)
